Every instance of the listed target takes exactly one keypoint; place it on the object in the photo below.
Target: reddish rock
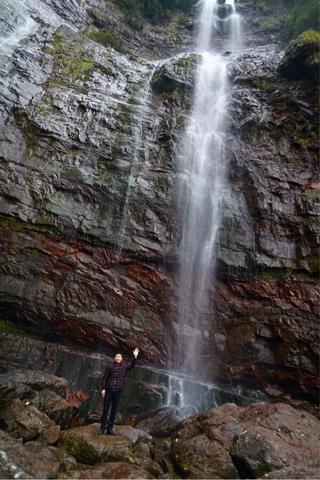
(246, 442)
(50, 436)
(112, 470)
(76, 397)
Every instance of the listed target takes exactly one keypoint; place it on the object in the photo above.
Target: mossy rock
(107, 39)
(175, 76)
(302, 58)
(72, 60)
(88, 447)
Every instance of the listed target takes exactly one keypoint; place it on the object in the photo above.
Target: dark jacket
(115, 374)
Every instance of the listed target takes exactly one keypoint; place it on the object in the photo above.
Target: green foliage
(303, 15)
(107, 38)
(152, 10)
(291, 16)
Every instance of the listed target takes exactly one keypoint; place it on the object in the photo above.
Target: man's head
(118, 358)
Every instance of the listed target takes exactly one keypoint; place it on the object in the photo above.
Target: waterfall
(142, 114)
(202, 162)
(15, 25)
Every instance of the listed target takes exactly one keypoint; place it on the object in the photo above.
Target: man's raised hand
(135, 352)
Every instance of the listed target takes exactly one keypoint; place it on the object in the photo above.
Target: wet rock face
(88, 169)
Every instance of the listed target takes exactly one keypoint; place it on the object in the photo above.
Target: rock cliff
(89, 235)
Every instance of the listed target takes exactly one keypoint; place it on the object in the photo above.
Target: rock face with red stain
(86, 257)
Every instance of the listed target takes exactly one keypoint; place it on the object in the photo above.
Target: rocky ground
(41, 436)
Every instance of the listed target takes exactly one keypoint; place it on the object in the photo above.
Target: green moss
(20, 226)
(8, 328)
(72, 62)
(301, 60)
(275, 273)
(107, 39)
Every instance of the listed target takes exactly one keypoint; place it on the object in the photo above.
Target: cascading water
(140, 117)
(203, 163)
(15, 25)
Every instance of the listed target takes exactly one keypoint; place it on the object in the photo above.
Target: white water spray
(203, 162)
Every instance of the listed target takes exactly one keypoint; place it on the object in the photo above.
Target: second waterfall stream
(202, 164)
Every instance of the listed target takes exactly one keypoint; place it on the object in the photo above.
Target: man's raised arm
(133, 362)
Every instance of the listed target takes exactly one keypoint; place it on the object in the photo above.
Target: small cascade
(16, 24)
(235, 28)
(141, 116)
(175, 392)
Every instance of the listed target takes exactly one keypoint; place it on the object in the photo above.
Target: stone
(24, 421)
(32, 460)
(56, 407)
(301, 59)
(23, 383)
(294, 472)
(134, 435)
(159, 423)
(246, 442)
(88, 447)
(114, 470)
(50, 436)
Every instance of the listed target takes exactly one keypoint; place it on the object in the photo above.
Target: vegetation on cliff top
(296, 16)
(303, 15)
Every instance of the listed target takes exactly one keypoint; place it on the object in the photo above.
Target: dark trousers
(113, 399)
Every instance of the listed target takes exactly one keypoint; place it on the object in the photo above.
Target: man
(111, 389)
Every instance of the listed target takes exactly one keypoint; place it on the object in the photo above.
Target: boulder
(32, 460)
(25, 421)
(245, 442)
(175, 75)
(294, 472)
(50, 436)
(159, 423)
(88, 447)
(56, 407)
(23, 383)
(112, 470)
(133, 435)
(302, 58)
(274, 437)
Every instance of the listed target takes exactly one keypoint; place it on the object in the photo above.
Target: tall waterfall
(203, 162)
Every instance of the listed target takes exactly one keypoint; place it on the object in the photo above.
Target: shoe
(102, 431)
(110, 432)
